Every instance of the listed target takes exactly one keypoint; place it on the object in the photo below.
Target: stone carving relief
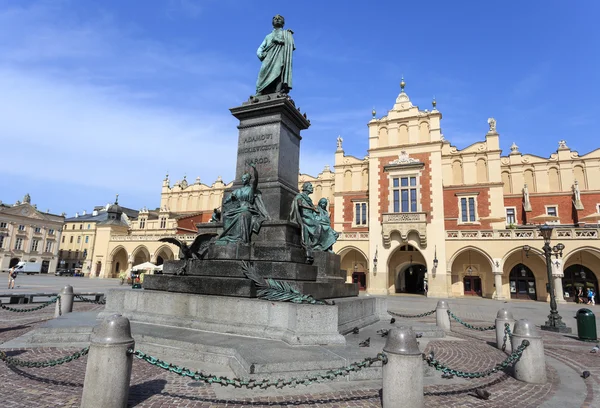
(403, 158)
(505, 160)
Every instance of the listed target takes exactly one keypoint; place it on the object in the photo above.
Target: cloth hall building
(418, 215)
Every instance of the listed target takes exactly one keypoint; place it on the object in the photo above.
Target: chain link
(43, 305)
(262, 384)
(412, 316)
(507, 335)
(469, 326)
(37, 364)
(98, 302)
(510, 360)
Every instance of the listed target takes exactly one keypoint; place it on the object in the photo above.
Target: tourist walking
(591, 296)
(12, 275)
(580, 295)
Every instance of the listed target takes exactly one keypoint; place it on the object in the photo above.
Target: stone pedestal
(269, 138)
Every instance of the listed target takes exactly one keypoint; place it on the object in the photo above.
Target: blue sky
(105, 97)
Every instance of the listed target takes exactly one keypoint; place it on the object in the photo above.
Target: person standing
(579, 298)
(12, 275)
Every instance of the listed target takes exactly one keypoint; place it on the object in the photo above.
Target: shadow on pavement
(227, 402)
(469, 390)
(138, 393)
(45, 380)
(14, 328)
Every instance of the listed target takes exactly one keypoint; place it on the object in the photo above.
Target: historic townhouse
(417, 215)
(29, 235)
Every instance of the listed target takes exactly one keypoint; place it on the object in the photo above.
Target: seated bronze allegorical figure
(315, 225)
(243, 212)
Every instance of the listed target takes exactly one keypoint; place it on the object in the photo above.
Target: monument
(264, 219)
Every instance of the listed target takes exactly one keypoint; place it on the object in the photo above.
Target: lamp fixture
(375, 260)
(410, 268)
(523, 271)
(470, 268)
(582, 272)
(435, 260)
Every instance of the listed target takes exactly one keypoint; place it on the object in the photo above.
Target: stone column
(442, 319)
(64, 304)
(108, 370)
(557, 275)
(531, 367)
(502, 318)
(403, 373)
(497, 272)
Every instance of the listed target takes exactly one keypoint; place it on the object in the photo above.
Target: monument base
(556, 329)
(294, 324)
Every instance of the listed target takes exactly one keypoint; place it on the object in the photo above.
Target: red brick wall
(590, 204)
(189, 223)
(348, 210)
(564, 201)
(451, 209)
(425, 187)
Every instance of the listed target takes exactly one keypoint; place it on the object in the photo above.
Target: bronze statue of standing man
(275, 52)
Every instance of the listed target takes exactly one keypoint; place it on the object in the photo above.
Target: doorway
(472, 285)
(45, 266)
(522, 283)
(361, 279)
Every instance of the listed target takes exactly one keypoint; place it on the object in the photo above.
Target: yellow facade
(413, 199)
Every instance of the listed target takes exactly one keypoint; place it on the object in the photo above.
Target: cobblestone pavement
(153, 387)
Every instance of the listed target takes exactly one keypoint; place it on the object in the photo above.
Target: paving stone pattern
(153, 387)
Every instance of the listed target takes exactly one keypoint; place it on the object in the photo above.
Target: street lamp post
(554, 322)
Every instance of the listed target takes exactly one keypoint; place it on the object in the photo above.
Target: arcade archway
(355, 264)
(407, 271)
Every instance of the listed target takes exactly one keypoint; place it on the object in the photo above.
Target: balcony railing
(404, 224)
(558, 233)
(355, 236)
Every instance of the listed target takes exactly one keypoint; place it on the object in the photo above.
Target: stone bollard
(64, 305)
(108, 370)
(531, 367)
(403, 373)
(442, 319)
(504, 316)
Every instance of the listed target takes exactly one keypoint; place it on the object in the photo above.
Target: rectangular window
(163, 222)
(1, 241)
(468, 210)
(360, 214)
(551, 210)
(405, 194)
(87, 239)
(72, 226)
(21, 227)
(80, 226)
(70, 240)
(38, 230)
(51, 231)
(79, 239)
(34, 245)
(18, 244)
(89, 226)
(511, 218)
(3, 225)
(49, 246)
(142, 223)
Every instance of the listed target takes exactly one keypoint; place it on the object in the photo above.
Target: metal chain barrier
(50, 363)
(507, 335)
(469, 326)
(510, 360)
(262, 384)
(43, 305)
(412, 316)
(98, 302)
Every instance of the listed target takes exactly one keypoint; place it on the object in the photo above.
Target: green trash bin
(586, 325)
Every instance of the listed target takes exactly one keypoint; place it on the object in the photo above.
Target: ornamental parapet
(404, 223)
(557, 233)
(151, 238)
